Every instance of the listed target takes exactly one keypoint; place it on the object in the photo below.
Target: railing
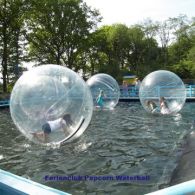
(4, 103)
(190, 91)
(127, 92)
(132, 91)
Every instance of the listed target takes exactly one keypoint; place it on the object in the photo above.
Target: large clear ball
(162, 92)
(105, 90)
(54, 95)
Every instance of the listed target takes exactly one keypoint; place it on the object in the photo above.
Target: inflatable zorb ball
(162, 92)
(105, 91)
(51, 104)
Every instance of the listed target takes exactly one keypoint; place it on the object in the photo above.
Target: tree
(95, 55)
(59, 29)
(5, 21)
(164, 36)
(185, 69)
(119, 40)
(149, 28)
(118, 49)
(178, 50)
(11, 24)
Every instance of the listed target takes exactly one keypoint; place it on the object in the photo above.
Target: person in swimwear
(63, 123)
(152, 106)
(99, 100)
(193, 124)
(164, 109)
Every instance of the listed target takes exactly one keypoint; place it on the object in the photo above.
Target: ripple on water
(123, 141)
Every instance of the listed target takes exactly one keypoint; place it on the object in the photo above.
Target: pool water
(124, 141)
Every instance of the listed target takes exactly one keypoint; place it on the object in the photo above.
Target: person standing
(137, 85)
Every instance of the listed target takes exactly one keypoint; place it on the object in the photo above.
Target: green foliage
(59, 30)
(191, 54)
(179, 50)
(184, 69)
(123, 48)
(11, 38)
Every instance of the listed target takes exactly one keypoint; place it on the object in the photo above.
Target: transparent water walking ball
(51, 104)
(105, 91)
(162, 92)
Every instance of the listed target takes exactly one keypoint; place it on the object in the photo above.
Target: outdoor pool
(125, 141)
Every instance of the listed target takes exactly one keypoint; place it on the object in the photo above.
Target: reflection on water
(123, 141)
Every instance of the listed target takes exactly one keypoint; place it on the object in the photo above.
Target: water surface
(124, 141)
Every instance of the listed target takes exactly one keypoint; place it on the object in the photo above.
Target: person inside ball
(193, 125)
(99, 100)
(164, 109)
(152, 106)
(63, 123)
(137, 84)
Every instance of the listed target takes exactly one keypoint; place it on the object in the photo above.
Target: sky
(132, 12)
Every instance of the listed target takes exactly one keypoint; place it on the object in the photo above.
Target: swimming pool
(126, 141)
